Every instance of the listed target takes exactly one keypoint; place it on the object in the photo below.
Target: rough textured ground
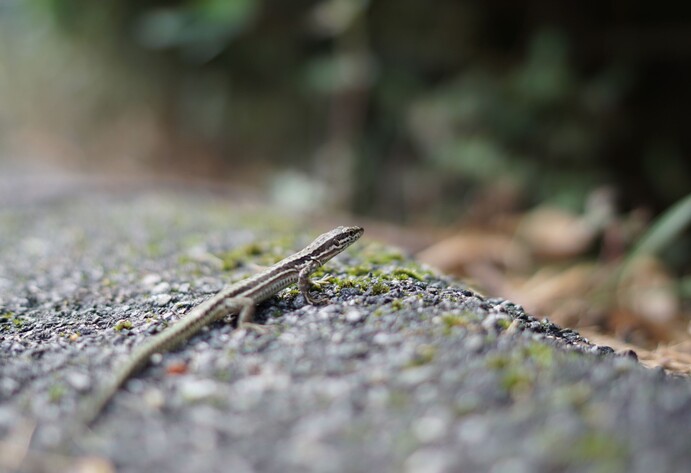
(403, 370)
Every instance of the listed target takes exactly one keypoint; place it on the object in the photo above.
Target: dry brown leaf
(627, 325)
(456, 253)
(554, 233)
(673, 358)
(648, 290)
(562, 294)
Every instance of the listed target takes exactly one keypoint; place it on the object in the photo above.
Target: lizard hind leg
(247, 307)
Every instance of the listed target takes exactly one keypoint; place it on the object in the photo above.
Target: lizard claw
(321, 281)
(256, 328)
(314, 300)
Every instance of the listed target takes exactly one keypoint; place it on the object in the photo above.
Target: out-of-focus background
(537, 149)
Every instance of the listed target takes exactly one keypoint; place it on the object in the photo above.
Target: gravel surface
(402, 370)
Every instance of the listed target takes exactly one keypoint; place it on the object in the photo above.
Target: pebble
(154, 398)
(160, 288)
(354, 315)
(415, 376)
(150, 280)
(429, 428)
(79, 381)
(382, 338)
(491, 321)
(194, 390)
(8, 386)
(161, 299)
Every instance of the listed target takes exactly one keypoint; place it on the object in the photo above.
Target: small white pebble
(8, 386)
(78, 381)
(473, 431)
(353, 316)
(150, 280)
(415, 376)
(193, 390)
(184, 288)
(429, 429)
(381, 338)
(161, 299)
(156, 358)
(154, 398)
(160, 288)
(288, 338)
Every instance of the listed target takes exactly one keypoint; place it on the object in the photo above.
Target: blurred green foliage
(403, 107)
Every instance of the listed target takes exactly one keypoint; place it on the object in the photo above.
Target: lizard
(238, 299)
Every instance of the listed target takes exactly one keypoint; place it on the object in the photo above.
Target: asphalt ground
(403, 369)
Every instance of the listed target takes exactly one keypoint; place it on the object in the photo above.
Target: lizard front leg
(304, 282)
